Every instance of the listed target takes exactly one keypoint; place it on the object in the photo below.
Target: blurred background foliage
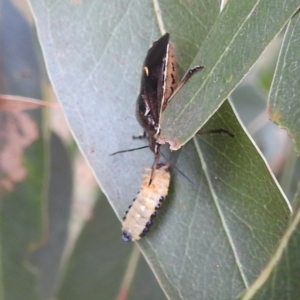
(57, 230)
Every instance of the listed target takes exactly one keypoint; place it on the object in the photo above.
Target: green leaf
(212, 234)
(188, 23)
(217, 229)
(238, 38)
(279, 280)
(284, 99)
(48, 257)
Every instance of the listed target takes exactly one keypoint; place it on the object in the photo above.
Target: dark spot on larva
(146, 229)
(125, 214)
(173, 67)
(142, 234)
(149, 223)
(157, 206)
(172, 90)
(161, 199)
(133, 199)
(173, 78)
(153, 215)
(129, 207)
(124, 218)
(126, 236)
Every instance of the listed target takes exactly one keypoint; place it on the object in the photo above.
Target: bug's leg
(220, 130)
(187, 76)
(144, 136)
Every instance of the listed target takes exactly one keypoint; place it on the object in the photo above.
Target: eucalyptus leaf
(225, 212)
(284, 99)
(280, 279)
(237, 39)
(215, 238)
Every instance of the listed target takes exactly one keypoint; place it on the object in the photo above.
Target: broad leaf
(217, 228)
(280, 279)
(218, 235)
(240, 35)
(284, 99)
(48, 257)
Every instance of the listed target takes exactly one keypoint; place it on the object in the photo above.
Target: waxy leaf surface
(279, 280)
(284, 99)
(235, 42)
(217, 228)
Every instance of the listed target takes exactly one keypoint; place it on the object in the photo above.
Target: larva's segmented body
(140, 214)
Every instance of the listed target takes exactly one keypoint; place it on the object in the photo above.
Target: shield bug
(159, 81)
(139, 216)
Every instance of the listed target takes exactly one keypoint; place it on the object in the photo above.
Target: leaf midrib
(220, 213)
(213, 68)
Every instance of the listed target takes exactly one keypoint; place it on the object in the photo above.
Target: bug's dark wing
(150, 98)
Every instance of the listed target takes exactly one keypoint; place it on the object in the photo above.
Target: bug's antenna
(128, 150)
(179, 171)
(155, 163)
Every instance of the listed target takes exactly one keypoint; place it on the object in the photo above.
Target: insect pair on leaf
(159, 82)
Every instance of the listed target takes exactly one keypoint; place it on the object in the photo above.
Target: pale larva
(140, 214)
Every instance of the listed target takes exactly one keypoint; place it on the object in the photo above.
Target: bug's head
(126, 236)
